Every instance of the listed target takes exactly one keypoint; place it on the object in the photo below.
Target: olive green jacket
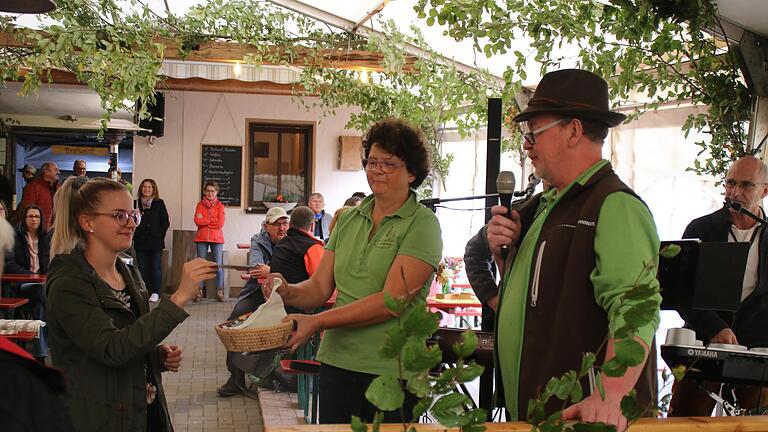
(102, 347)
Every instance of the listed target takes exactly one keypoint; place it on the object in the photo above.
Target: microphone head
(505, 182)
(732, 204)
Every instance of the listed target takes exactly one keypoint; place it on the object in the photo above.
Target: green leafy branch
(661, 51)
(637, 307)
(406, 344)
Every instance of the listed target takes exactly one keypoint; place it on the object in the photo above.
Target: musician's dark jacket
(568, 323)
(750, 322)
(479, 265)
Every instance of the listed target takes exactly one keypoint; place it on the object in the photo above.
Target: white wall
(195, 118)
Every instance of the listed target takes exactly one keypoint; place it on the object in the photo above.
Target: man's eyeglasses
(387, 167)
(746, 185)
(123, 216)
(530, 137)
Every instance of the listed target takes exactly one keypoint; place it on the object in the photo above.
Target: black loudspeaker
(155, 122)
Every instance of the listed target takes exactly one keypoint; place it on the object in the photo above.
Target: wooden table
(682, 424)
(12, 302)
(448, 305)
(21, 277)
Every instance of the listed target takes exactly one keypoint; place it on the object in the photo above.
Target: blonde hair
(76, 196)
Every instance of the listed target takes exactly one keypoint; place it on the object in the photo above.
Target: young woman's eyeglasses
(530, 137)
(123, 216)
(387, 167)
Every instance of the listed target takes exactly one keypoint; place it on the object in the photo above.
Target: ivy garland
(657, 48)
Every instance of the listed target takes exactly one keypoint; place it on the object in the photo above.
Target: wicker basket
(254, 339)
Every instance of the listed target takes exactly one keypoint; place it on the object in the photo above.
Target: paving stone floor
(191, 393)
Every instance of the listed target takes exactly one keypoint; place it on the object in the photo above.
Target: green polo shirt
(625, 239)
(360, 269)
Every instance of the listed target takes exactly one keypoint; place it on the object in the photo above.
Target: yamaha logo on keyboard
(702, 353)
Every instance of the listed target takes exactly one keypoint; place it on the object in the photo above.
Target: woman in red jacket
(209, 218)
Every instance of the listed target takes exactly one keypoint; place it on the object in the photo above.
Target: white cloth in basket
(11, 327)
(268, 314)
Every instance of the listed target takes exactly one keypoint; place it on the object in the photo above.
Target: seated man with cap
(579, 247)
(274, 229)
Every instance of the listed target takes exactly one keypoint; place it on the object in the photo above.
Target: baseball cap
(29, 168)
(274, 214)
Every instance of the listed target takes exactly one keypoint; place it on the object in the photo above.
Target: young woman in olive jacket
(149, 238)
(103, 336)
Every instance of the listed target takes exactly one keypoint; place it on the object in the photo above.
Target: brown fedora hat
(572, 92)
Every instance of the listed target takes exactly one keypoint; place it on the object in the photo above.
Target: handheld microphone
(505, 186)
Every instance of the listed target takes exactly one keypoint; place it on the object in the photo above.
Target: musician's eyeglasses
(387, 167)
(530, 137)
(123, 216)
(746, 185)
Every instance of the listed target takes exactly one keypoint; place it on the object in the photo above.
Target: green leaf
(420, 385)
(586, 363)
(629, 406)
(576, 393)
(536, 413)
(599, 385)
(397, 306)
(447, 409)
(469, 372)
(417, 357)
(669, 251)
(420, 408)
(679, 372)
(467, 346)
(385, 393)
(419, 322)
(358, 425)
(629, 352)
(614, 368)
(394, 340)
(641, 314)
(641, 292)
(378, 418)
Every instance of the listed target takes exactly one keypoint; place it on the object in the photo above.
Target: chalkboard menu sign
(222, 164)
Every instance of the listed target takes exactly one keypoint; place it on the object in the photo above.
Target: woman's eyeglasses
(123, 216)
(388, 167)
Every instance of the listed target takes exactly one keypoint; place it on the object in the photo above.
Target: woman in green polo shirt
(389, 234)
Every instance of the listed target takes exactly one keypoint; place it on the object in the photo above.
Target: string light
(237, 69)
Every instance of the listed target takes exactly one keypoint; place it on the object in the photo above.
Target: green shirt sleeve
(424, 239)
(625, 240)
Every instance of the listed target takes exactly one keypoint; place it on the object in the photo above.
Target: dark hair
(360, 195)
(352, 201)
(400, 138)
(594, 130)
(211, 183)
(155, 192)
(77, 196)
(302, 217)
(23, 221)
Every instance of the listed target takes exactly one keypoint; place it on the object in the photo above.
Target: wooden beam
(197, 84)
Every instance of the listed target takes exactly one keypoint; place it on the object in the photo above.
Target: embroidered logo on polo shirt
(387, 240)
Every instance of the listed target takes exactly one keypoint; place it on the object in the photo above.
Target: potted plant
(287, 202)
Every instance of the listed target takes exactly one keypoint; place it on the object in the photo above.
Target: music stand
(703, 276)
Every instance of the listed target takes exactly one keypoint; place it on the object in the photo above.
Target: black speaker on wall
(155, 122)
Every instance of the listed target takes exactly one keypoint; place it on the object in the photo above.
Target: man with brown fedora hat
(579, 246)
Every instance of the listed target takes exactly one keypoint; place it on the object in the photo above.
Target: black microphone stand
(739, 208)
